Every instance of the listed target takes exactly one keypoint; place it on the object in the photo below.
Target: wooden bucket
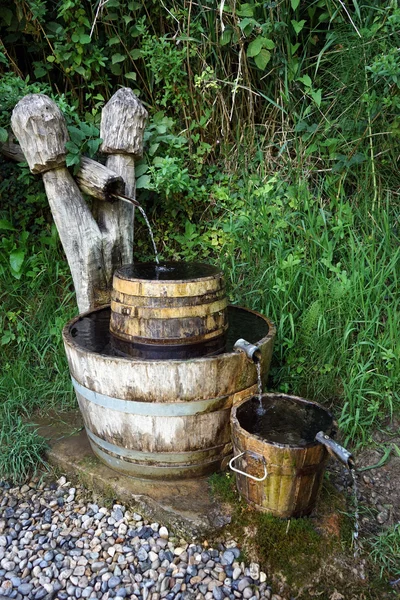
(278, 478)
(161, 419)
(173, 310)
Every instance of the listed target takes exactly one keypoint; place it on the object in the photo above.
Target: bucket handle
(246, 474)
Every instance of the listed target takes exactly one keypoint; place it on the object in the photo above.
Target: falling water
(356, 543)
(136, 203)
(151, 233)
(260, 409)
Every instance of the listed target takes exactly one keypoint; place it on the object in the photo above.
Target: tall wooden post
(122, 127)
(40, 128)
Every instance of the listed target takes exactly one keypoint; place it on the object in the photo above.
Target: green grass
(34, 375)
(385, 552)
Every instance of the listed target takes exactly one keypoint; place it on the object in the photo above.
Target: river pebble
(55, 544)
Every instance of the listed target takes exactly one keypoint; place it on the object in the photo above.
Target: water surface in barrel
(168, 271)
(284, 420)
(91, 332)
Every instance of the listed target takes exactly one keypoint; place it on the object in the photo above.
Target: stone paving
(55, 544)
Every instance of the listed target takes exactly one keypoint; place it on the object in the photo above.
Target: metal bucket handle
(254, 455)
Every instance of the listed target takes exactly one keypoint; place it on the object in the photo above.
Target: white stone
(163, 533)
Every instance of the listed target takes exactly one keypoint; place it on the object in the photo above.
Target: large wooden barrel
(171, 310)
(279, 478)
(162, 419)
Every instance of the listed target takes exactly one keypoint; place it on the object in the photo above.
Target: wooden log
(122, 127)
(40, 128)
(98, 181)
(92, 178)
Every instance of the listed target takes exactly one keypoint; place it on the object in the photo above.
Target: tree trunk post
(122, 127)
(40, 128)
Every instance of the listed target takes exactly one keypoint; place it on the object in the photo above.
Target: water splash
(260, 409)
(356, 543)
(150, 232)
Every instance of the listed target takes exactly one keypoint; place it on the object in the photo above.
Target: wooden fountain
(149, 410)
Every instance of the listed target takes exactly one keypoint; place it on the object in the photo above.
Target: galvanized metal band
(153, 409)
(179, 458)
(170, 312)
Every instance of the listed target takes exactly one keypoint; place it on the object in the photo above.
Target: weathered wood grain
(40, 128)
(122, 126)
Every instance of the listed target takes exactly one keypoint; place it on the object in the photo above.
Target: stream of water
(150, 232)
(356, 543)
(260, 410)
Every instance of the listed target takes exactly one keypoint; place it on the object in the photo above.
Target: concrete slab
(185, 506)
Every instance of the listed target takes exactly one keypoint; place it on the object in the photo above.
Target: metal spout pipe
(252, 352)
(336, 450)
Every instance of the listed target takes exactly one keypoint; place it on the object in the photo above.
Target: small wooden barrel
(171, 310)
(278, 478)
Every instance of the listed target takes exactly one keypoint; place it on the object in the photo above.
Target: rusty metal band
(153, 409)
(126, 455)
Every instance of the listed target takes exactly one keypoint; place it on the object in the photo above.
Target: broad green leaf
(117, 58)
(141, 169)
(153, 148)
(93, 146)
(136, 53)
(245, 10)
(255, 47)
(40, 72)
(131, 75)
(72, 148)
(226, 37)
(113, 40)
(143, 182)
(298, 25)
(6, 15)
(269, 44)
(84, 38)
(294, 3)
(76, 134)
(294, 48)
(262, 59)
(317, 97)
(306, 79)
(50, 58)
(6, 225)
(17, 260)
(3, 135)
(72, 159)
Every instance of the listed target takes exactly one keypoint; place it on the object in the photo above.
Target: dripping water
(356, 543)
(260, 408)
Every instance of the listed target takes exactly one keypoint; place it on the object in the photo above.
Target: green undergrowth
(35, 303)
(306, 554)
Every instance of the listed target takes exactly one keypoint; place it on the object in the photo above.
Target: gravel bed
(55, 544)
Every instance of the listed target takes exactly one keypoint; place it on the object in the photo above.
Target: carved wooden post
(40, 128)
(122, 127)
